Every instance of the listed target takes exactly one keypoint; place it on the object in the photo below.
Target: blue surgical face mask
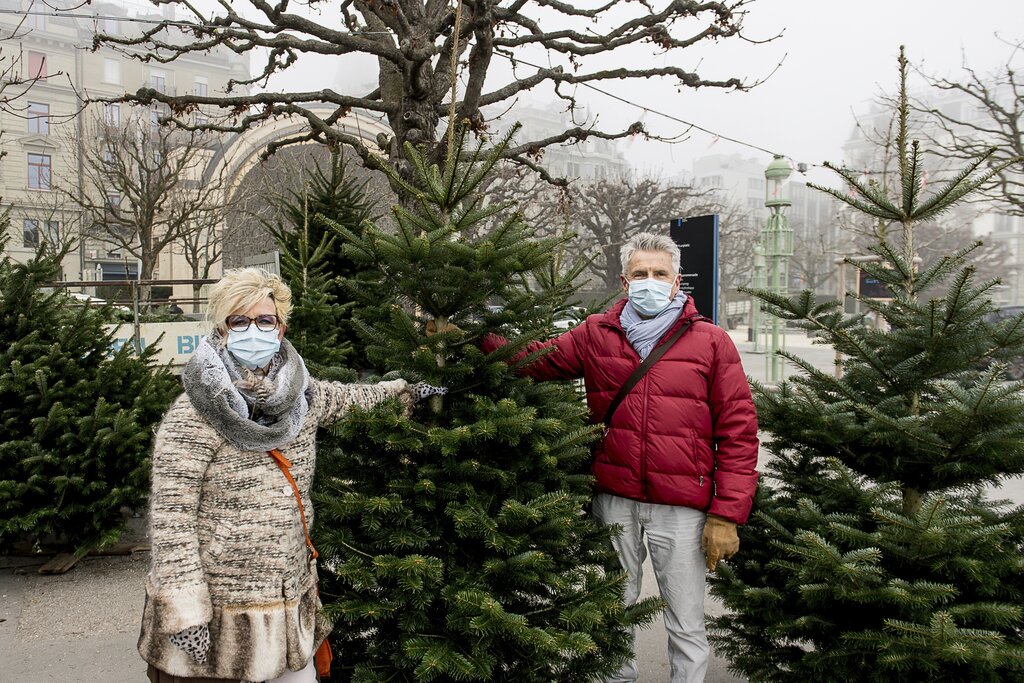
(253, 348)
(649, 296)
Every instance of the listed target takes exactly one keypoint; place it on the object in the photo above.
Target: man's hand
(719, 541)
(447, 327)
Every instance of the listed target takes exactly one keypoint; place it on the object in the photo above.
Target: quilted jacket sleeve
(182, 450)
(735, 434)
(565, 361)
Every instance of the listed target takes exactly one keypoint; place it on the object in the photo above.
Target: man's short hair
(649, 241)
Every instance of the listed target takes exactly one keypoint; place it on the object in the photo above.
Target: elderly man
(676, 463)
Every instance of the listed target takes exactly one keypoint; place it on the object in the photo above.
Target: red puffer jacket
(685, 435)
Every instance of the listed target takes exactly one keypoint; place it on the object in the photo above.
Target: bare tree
(609, 212)
(202, 247)
(145, 187)
(980, 112)
(418, 45)
(737, 234)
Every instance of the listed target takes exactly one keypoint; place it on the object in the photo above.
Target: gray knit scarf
(644, 333)
(253, 412)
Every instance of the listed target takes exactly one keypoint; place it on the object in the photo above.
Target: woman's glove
(422, 390)
(195, 640)
(720, 540)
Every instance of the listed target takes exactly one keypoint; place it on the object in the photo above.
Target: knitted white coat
(228, 544)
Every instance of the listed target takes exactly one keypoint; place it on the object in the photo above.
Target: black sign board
(697, 238)
(870, 287)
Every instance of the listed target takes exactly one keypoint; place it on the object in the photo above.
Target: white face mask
(650, 296)
(253, 348)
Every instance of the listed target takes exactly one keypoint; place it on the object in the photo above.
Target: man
(676, 464)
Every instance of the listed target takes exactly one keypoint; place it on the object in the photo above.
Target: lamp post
(777, 245)
(760, 282)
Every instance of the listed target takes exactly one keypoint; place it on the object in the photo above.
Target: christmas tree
(873, 553)
(314, 265)
(455, 545)
(76, 417)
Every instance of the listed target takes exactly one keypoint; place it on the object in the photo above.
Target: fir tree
(454, 544)
(314, 265)
(76, 418)
(873, 554)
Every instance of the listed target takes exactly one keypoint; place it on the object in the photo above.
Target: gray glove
(195, 640)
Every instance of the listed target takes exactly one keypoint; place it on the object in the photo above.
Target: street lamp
(777, 248)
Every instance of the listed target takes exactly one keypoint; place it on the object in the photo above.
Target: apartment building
(46, 128)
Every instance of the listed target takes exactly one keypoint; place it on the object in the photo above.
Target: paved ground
(83, 626)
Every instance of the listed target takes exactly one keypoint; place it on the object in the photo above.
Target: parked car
(96, 301)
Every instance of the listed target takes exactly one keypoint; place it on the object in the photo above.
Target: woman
(232, 592)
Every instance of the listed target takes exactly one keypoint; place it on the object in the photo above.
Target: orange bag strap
(323, 656)
(285, 466)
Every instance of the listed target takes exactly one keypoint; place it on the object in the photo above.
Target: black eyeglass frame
(249, 321)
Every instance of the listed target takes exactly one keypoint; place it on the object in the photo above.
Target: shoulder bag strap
(656, 353)
(285, 466)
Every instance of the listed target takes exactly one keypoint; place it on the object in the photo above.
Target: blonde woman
(232, 592)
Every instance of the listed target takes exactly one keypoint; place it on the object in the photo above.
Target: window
(39, 171)
(30, 233)
(108, 154)
(112, 114)
(112, 70)
(154, 118)
(202, 86)
(38, 118)
(111, 26)
(158, 80)
(202, 119)
(755, 183)
(37, 65)
(113, 202)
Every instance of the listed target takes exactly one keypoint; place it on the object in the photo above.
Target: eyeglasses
(240, 323)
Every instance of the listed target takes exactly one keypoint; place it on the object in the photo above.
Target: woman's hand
(194, 640)
(410, 394)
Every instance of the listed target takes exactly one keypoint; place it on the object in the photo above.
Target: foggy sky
(838, 56)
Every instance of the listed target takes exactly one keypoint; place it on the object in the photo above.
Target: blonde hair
(241, 289)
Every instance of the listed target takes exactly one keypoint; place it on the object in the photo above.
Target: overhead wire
(512, 59)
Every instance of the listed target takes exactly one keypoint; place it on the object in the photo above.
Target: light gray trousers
(673, 539)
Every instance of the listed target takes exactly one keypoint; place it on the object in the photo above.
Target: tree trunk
(912, 499)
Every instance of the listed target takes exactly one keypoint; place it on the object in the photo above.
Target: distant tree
(417, 44)
(982, 113)
(202, 246)
(737, 233)
(609, 212)
(145, 187)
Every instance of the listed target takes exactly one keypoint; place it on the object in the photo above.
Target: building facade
(46, 128)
